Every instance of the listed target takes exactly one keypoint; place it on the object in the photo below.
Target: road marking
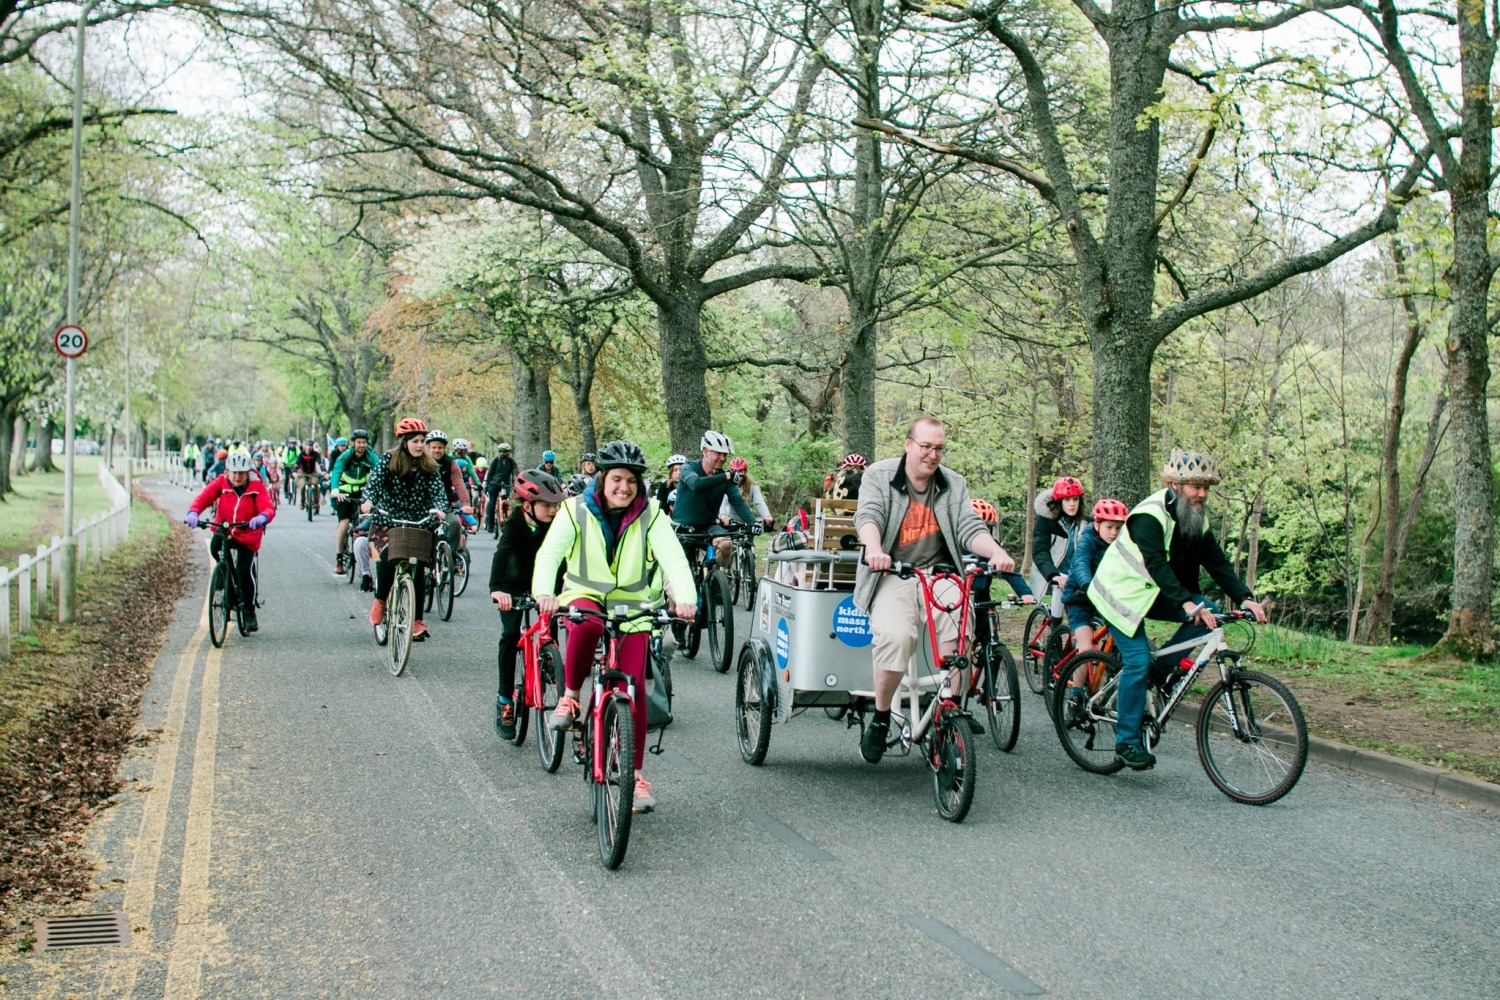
(191, 941)
(680, 762)
(787, 835)
(986, 962)
(140, 889)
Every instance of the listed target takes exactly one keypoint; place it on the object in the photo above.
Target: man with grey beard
(1152, 571)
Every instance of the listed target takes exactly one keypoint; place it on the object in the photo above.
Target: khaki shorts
(897, 619)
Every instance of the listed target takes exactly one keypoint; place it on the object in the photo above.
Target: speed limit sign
(70, 341)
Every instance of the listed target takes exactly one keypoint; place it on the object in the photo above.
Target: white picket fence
(37, 578)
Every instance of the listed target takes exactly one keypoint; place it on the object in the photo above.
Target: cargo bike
(809, 648)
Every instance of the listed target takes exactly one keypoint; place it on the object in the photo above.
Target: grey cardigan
(883, 501)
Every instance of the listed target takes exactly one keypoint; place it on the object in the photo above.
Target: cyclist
(237, 496)
(1152, 571)
(704, 486)
(1093, 541)
(309, 468)
(453, 485)
(465, 463)
(668, 486)
(991, 517)
(289, 454)
(510, 575)
(588, 466)
(340, 445)
(751, 491)
(915, 510)
(614, 541)
(497, 480)
(549, 465)
(350, 473)
(843, 483)
(1059, 519)
(216, 467)
(404, 487)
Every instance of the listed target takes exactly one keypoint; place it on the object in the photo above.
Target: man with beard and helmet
(1152, 571)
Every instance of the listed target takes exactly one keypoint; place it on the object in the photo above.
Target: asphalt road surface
(303, 824)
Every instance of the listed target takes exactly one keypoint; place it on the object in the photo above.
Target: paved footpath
(303, 824)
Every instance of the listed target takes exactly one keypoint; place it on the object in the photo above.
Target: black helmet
(589, 456)
(577, 483)
(622, 455)
(359, 432)
(533, 484)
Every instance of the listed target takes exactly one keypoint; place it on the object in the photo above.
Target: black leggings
(244, 580)
(510, 634)
(385, 577)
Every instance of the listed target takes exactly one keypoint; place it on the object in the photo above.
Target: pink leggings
(578, 661)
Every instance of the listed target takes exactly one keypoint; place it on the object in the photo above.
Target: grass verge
(33, 513)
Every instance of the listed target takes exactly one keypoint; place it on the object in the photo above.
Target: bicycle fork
(604, 681)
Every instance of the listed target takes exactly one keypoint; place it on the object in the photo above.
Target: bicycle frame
(910, 692)
(609, 677)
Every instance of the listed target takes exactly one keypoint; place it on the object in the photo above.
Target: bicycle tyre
(549, 742)
(694, 637)
(522, 712)
(443, 570)
(752, 720)
(307, 502)
(461, 575)
(400, 615)
(951, 757)
(1002, 688)
(218, 605)
(349, 561)
(1089, 741)
(719, 607)
(615, 798)
(747, 577)
(1032, 646)
(1270, 742)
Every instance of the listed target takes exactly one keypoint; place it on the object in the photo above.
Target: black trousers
(240, 565)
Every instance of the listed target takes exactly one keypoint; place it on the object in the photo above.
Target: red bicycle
(538, 687)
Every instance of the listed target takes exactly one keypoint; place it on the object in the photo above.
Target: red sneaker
(419, 630)
(377, 612)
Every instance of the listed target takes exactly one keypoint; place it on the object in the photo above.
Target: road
(305, 824)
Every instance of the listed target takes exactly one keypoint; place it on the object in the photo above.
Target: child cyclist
(238, 496)
(614, 541)
(510, 576)
(1109, 518)
(1059, 519)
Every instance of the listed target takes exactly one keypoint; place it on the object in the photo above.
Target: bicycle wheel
(1088, 734)
(951, 757)
(719, 607)
(218, 604)
(349, 562)
(443, 571)
(399, 617)
(752, 718)
(307, 502)
(747, 577)
(1032, 646)
(1002, 689)
(522, 711)
(694, 635)
(614, 798)
(461, 573)
(549, 742)
(1257, 756)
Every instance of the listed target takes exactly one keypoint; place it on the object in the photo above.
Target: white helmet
(460, 444)
(238, 461)
(676, 460)
(714, 441)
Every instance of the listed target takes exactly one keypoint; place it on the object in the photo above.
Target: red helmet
(410, 425)
(738, 464)
(986, 510)
(1110, 510)
(1066, 487)
(221, 454)
(534, 484)
(854, 460)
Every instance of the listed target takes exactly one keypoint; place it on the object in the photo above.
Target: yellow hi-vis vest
(1122, 589)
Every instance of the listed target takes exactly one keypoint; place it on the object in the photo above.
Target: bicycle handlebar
(658, 616)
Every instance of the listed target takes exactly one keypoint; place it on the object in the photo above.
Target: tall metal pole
(163, 401)
(129, 451)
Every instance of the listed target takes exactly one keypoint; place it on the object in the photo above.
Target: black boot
(247, 617)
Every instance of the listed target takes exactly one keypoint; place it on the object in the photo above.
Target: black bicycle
(997, 681)
(715, 600)
(741, 568)
(223, 587)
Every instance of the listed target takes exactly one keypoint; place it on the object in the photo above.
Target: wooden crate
(833, 521)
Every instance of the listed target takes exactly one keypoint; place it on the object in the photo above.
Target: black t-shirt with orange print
(920, 541)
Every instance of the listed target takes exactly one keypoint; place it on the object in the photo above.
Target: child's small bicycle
(538, 687)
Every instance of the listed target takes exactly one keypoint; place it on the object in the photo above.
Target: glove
(757, 528)
(192, 519)
(257, 522)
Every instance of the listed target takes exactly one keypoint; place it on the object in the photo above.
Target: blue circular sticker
(783, 643)
(851, 625)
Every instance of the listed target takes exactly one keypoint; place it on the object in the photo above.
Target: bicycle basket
(410, 543)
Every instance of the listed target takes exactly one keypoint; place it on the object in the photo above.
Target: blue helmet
(341, 442)
(549, 456)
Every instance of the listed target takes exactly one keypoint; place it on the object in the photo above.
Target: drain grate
(81, 930)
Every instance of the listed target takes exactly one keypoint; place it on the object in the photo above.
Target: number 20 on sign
(70, 341)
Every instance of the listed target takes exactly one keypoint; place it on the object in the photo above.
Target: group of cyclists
(604, 535)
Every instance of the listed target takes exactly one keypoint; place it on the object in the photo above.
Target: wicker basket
(409, 543)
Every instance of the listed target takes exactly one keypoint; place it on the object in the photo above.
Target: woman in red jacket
(240, 497)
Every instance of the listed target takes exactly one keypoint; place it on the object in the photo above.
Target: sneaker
(1077, 705)
(872, 743)
(338, 565)
(567, 712)
(419, 630)
(366, 585)
(1135, 756)
(505, 718)
(247, 615)
(377, 611)
(644, 800)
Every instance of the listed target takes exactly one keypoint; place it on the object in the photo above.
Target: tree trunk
(18, 447)
(1122, 418)
(6, 443)
(684, 370)
(857, 385)
(531, 408)
(583, 408)
(46, 431)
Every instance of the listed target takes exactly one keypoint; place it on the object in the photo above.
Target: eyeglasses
(934, 449)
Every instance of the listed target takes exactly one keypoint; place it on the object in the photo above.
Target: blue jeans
(1135, 670)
